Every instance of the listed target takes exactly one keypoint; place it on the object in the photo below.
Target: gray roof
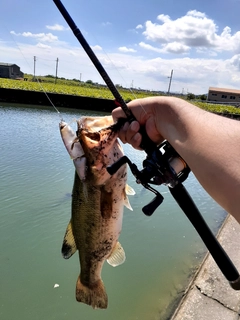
(225, 90)
(6, 64)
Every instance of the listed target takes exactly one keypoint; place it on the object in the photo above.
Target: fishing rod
(163, 165)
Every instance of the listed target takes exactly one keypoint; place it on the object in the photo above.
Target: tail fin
(94, 296)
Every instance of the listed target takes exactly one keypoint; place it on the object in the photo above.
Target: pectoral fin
(127, 203)
(129, 190)
(117, 256)
(69, 246)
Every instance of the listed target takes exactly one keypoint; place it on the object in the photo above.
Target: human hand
(147, 115)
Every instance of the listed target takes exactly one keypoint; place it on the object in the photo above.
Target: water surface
(35, 197)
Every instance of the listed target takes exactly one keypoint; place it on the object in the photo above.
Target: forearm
(210, 145)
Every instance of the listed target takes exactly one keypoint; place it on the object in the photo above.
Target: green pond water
(36, 177)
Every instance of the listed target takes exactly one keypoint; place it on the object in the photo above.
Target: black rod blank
(224, 263)
(94, 59)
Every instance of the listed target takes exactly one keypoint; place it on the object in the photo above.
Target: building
(10, 71)
(223, 95)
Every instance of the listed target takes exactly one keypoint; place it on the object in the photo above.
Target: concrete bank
(59, 100)
(209, 295)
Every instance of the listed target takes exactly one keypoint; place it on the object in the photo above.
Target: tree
(89, 82)
(190, 96)
(203, 97)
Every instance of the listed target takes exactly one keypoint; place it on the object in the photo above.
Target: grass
(89, 89)
(217, 108)
(72, 87)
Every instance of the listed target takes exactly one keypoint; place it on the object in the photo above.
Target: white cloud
(125, 49)
(195, 13)
(73, 53)
(43, 46)
(195, 75)
(96, 48)
(139, 26)
(106, 24)
(57, 27)
(192, 74)
(44, 37)
(190, 30)
(235, 61)
(194, 30)
(226, 33)
(149, 47)
(174, 47)
(164, 18)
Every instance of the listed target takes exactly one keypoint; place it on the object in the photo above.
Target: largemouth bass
(97, 204)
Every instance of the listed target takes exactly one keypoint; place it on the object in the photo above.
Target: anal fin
(117, 256)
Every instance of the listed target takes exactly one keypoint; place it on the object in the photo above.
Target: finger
(129, 134)
(132, 135)
(131, 131)
(136, 141)
(123, 132)
(118, 113)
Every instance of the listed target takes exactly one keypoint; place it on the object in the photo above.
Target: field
(217, 108)
(89, 89)
(71, 87)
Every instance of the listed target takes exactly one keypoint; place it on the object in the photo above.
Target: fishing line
(119, 73)
(129, 89)
(40, 85)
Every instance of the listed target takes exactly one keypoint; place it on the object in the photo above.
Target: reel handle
(153, 205)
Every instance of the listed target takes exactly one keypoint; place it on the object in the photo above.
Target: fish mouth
(112, 130)
(94, 130)
(94, 136)
(62, 125)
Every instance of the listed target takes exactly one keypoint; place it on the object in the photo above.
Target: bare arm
(210, 144)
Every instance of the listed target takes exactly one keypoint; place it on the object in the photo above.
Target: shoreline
(59, 100)
(68, 101)
(209, 295)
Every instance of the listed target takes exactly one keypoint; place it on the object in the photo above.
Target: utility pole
(80, 77)
(170, 81)
(34, 67)
(56, 70)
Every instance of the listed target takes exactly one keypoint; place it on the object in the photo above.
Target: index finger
(118, 113)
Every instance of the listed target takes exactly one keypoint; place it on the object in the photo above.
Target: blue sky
(138, 42)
